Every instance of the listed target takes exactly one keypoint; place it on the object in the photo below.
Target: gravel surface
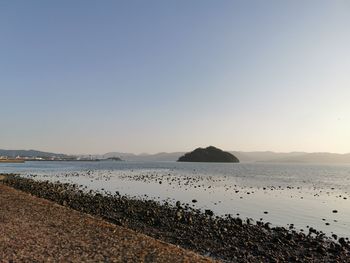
(38, 230)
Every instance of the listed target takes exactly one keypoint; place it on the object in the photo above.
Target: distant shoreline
(36, 160)
(11, 161)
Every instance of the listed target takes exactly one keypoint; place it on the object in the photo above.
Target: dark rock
(209, 212)
(342, 242)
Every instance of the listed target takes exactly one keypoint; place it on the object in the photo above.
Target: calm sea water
(283, 194)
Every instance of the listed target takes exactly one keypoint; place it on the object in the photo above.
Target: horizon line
(169, 152)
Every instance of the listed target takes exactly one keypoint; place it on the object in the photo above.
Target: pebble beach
(227, 239)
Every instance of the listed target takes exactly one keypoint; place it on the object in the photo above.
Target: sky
(153, 76)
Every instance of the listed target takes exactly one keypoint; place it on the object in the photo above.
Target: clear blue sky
(150, 76)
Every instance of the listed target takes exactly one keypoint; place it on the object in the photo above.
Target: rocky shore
(225, 238)
(33, 229)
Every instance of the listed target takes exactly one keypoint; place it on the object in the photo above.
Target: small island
(114, 159)
(209, 154)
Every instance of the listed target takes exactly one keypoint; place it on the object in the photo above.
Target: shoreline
(11, 161)
(37, 230)
(228, 238)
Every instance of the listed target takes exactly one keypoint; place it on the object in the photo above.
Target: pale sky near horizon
(151, 76)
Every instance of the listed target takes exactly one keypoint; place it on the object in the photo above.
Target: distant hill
(121, 155)
(293, 157)
(30, 154)
(265, 156)
(158, 157)
(315, 158)
(209, 154)
(268, 157)
(164, 157)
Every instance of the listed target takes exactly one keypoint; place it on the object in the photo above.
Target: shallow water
(299, 194)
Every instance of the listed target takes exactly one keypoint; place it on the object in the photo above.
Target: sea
(299, 195)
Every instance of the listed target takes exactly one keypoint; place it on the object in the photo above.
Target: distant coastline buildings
(37, 158)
